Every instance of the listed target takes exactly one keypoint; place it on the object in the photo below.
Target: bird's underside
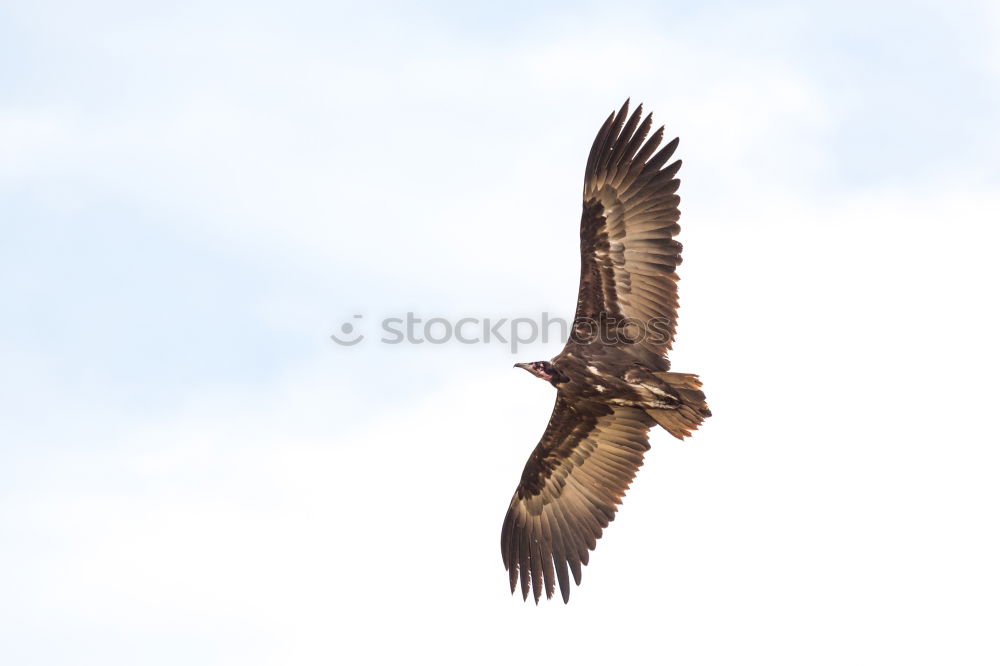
(613, 380)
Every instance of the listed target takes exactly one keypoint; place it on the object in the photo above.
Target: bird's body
(612, 378)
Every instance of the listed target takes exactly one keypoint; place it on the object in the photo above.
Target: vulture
(612, 379)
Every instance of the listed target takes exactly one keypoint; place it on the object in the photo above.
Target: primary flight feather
(612, 377)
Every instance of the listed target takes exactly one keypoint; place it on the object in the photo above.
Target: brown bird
(612, 377)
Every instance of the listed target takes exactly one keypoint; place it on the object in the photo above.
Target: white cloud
(844, 476)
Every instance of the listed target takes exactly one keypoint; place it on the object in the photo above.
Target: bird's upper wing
(627, 246)
(569, 492)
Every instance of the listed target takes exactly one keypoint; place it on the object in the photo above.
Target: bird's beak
(523, 366)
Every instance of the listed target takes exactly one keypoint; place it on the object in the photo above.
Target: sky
(194, 197)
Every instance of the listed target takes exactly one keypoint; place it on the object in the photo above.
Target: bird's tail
(692, 409)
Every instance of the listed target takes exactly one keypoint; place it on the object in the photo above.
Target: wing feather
(628, 253)
(569, 492)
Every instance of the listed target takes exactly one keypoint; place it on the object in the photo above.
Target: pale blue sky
(194, 197)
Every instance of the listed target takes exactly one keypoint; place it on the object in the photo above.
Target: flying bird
(612, 379)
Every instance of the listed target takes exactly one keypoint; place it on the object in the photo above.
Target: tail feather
(692, 410)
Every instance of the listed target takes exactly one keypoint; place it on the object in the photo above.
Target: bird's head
(543, 370)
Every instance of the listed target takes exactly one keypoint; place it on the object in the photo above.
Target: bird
(613, 380)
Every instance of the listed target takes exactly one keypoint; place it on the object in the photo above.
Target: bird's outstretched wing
(627, 246)
(569, 492)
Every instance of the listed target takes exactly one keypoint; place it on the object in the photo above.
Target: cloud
(822, 480)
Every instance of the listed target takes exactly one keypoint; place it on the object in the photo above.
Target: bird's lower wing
(569, 492)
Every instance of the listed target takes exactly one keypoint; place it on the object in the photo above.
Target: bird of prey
(612, 379)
